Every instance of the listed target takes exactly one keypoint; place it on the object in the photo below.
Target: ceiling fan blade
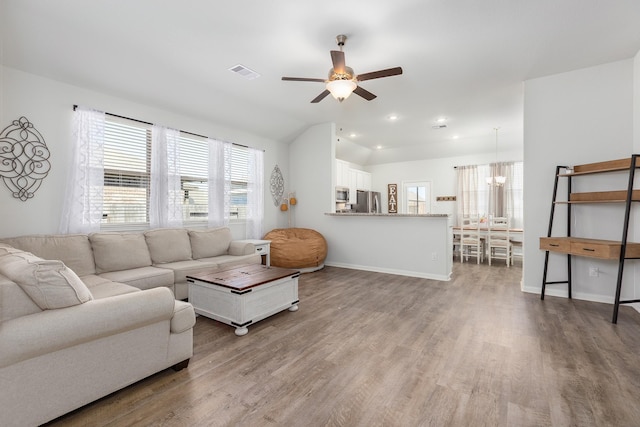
(303, 79)
(378, 74)
(337, 57)
(364, 93)
(320, 97)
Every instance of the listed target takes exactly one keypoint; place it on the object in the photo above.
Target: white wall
(312, 175)
(578, 117)
(440, 172)
(409, 246)
(48, 105)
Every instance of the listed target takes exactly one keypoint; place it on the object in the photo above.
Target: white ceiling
(464, 60)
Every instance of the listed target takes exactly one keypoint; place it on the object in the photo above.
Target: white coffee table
(243, 295)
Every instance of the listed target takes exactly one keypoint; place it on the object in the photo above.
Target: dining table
(515, 234)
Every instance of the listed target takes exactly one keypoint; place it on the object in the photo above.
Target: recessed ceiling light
(441, 120)
(352, 135)
(455, 137)
(379, 147)
(392, 117)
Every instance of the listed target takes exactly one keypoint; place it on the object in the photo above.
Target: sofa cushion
(238, 247)
(143, 277)
(49, 283)
(226, 261)
(168, 245)
(72, 249)
(119, 251)
(182, 269)
(210, 242)
(102, 287)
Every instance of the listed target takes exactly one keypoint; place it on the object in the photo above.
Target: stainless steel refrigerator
(368, 202)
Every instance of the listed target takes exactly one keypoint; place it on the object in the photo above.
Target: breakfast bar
(405, 244)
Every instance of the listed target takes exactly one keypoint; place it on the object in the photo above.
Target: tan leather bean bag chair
(298, 248)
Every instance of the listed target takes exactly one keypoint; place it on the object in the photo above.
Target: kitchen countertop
(386, 214)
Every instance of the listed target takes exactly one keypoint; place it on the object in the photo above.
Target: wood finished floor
(370, 349)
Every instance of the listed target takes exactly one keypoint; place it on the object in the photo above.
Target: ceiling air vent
(245, 72)
(441, 126)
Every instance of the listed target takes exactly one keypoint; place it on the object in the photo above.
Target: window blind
(127, 160)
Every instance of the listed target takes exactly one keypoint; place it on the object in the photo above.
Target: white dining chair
(498, 244)
(471, 242)
(457, 247)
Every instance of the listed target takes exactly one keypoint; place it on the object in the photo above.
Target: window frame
(239, 160)
(406, 185)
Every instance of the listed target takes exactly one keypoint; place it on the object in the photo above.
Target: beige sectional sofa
(82, 316)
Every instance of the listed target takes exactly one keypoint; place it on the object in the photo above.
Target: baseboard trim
(409, 273)
(562, 293)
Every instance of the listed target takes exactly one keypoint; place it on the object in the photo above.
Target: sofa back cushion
(168, 245)
(49, 283)
(119, 251)
(72, 249)
(209, 243)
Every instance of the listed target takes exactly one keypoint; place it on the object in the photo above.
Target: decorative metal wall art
(277, 185)
(24, 158)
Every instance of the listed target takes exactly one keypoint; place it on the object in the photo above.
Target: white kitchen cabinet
(363, 180)
(342, 173)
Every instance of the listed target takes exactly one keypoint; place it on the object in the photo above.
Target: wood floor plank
(372, 349)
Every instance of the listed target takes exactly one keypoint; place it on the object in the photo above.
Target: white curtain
(219, 182)
(82, 206)
(476, 197)
(467, 192)
(514, 194)
(165, 201)
(255, 194)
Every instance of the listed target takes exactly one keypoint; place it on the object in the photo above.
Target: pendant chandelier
(497, 180)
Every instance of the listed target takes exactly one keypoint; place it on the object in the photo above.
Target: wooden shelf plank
(604, 196)
(601, 167)
(592, 248)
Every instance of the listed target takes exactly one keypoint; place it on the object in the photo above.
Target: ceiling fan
(342, 80)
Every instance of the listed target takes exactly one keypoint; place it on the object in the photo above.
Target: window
(239, 179)
(476, 197)
(127, 160)
(416, 197)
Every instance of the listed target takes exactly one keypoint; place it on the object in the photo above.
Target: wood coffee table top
(243, 276)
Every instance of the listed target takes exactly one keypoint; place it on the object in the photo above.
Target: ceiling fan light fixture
(341, 89)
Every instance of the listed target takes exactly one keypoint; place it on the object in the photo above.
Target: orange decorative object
(299, 248)
(293, 201)
(284, 207)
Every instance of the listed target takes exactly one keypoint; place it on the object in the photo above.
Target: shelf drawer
(555, 244)
(595, 250)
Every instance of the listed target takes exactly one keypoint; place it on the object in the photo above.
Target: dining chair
(457, 247)
(471, 242)
(498, 244)
(516, 250)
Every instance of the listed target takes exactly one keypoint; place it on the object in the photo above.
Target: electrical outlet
(434, 256)
(594, 272)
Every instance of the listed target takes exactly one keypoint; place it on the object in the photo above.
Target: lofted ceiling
(463, 60)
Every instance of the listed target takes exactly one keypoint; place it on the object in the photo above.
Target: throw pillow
(49, 283)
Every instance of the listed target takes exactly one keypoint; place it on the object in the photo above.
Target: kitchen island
(406, 244)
